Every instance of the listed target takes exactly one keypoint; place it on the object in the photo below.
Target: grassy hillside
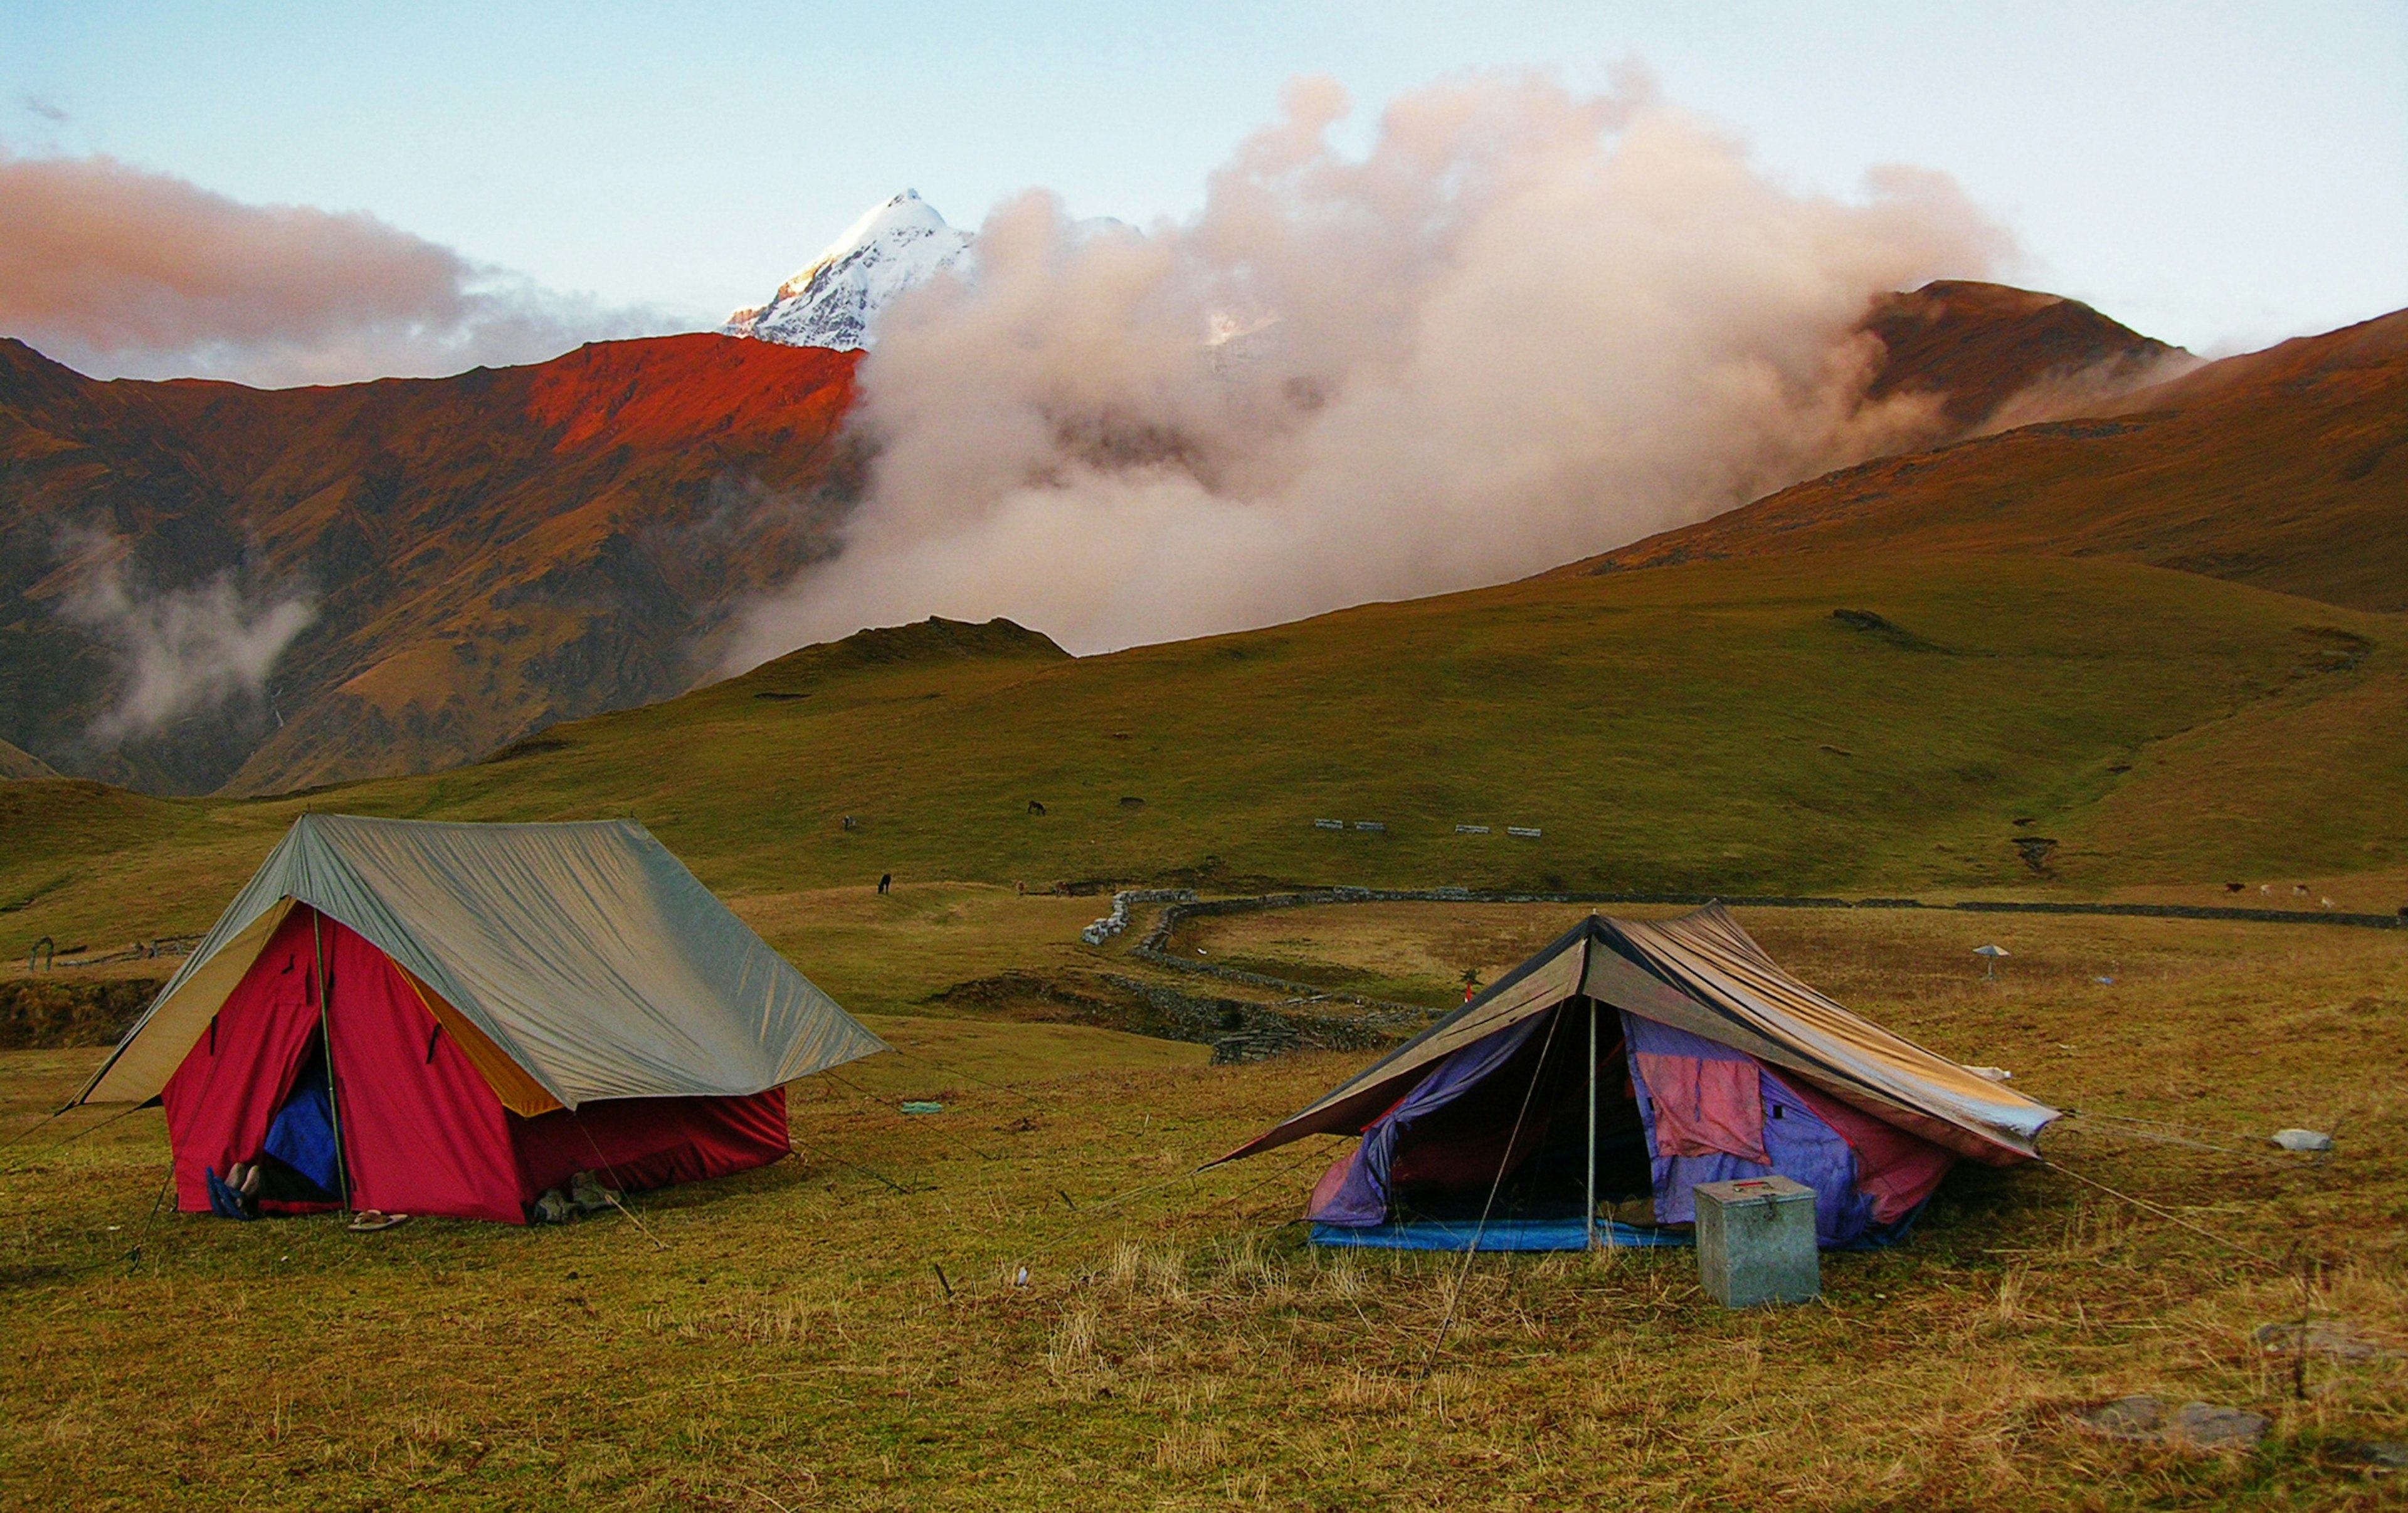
(1710, 727)
(2285, 468)
(1981, 347)
(15, 762)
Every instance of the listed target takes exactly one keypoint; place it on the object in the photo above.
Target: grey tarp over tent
(585, 953)
(1701, 974)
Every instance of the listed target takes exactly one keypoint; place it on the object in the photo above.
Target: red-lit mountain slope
(484, 554)
(479, 555)
(2286, 470)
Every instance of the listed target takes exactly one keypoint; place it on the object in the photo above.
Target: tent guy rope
(1503, 1163)
(2166, 1213)
(63, 1141)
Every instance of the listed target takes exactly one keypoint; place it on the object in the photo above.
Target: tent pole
(1588, 1189)
(327, 1038)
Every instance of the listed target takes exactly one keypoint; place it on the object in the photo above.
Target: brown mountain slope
(1992, 351)
(2286, 470)
(480, 555)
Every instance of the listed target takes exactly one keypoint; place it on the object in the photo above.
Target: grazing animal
(886, 881)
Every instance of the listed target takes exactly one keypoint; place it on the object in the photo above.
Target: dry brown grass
(1178, 1346)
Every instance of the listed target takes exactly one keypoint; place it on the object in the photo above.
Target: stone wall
(48, 1013)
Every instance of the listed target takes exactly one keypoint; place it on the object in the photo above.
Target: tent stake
(1588, 1189)
(327, 1036)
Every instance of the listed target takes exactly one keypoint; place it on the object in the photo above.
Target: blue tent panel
(1498, 1234)
(1549, 1235)
(303, 1136)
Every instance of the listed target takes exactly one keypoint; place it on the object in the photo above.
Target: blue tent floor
(1497, 1235)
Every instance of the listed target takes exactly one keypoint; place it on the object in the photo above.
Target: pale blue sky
(2218, 174)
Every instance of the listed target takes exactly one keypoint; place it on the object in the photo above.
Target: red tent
(489, 1009)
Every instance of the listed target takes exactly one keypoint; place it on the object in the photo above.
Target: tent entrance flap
(247, 1059)
(1503, 1126)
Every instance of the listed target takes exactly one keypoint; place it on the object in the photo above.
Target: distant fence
(1118, 919)
(1310, 897)
(1247, 1032)
(1238, 1031)
(2184, 911)
(1151, 948)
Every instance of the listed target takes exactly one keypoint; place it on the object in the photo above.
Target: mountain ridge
(15, 762)
(484, 553)
(1987, 349)
(480, 556)
(2283, 469)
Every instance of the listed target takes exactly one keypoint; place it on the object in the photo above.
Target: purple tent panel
(1361, 1197)
(1802, 1145)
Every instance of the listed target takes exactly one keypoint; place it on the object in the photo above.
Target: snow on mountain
(836, 301)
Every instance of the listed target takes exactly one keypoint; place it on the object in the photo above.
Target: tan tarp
(585, 955)
(142, 1063)
(1701, 973)
(1715, 963)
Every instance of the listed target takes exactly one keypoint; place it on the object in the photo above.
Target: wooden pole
(327, 1038)
(1588, 1189)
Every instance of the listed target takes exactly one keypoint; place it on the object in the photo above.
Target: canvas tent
(478, 1011)
(1582, 1098)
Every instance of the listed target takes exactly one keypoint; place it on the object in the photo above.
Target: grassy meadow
(783, 1339)
(1711, 727)
(844, 1330)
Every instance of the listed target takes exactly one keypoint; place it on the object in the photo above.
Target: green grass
(790, 1346)
(1708, 727)
(890, 953)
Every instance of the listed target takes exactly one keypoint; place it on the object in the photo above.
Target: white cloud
(1526, 325)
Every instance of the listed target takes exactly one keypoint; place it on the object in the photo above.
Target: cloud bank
(182, 651)
(120, 272)
(1526, 325)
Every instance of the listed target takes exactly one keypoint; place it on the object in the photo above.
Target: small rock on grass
(2378, 1455)
(2210, 1427)
(2322, 1337)
(2126, 1417)
(2194, 1425)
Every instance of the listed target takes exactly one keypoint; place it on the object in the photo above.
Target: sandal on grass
(369, 1220)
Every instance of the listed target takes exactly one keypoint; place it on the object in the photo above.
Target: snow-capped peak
(835, 300)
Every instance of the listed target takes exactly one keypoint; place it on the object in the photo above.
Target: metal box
(1756, 1242)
